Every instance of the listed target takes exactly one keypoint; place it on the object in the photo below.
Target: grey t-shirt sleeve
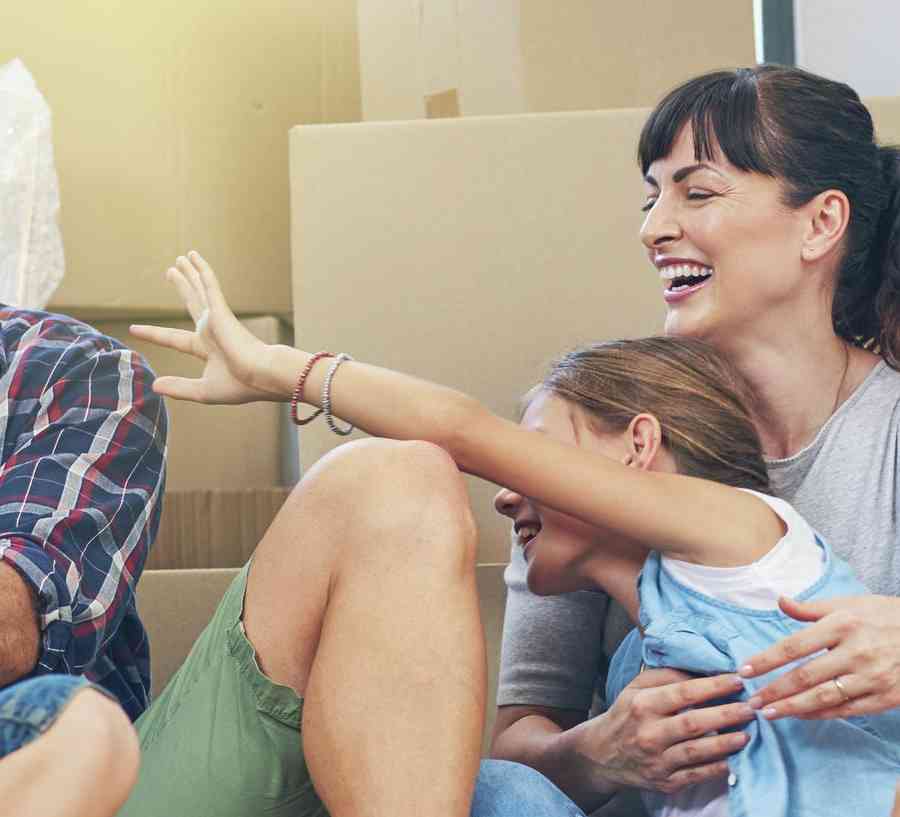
(552, 651)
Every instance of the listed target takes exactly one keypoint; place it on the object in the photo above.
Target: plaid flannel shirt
(82, 471)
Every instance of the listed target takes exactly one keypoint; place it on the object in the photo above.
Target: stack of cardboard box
(170, 130)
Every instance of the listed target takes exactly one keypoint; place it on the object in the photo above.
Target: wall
(854, 41)
(170, 129)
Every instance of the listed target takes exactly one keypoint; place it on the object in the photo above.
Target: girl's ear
(644, 441)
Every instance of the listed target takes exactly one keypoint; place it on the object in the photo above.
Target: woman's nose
(660, 225)
(507, 502)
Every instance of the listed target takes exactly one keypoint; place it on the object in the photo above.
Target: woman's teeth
(684, 276)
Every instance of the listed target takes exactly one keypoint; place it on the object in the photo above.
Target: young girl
(646, 463)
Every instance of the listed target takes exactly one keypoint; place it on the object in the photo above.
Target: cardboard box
(213, 529)
(220, 447)
(170, 132)
(175, 605)
(472, 251)
(521, 56)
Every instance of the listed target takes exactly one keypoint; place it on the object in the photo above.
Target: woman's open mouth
(683, 280)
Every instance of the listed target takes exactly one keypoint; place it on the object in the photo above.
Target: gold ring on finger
(842, 689)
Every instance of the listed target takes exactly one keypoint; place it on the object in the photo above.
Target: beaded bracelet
(326, 396)
(297, 396)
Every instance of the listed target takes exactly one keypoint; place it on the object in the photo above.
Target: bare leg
(86, 763)
(362, 597)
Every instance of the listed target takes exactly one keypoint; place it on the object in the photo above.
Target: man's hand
(19, 630)
(859, 672)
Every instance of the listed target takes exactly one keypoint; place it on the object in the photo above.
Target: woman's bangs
(724, 115)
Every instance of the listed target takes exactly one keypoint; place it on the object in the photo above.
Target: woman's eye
(698, 195)
(648, 205)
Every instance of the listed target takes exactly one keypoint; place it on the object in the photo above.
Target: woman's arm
(691, 518)
(644, 740)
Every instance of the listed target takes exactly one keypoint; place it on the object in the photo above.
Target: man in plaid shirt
(82, 471)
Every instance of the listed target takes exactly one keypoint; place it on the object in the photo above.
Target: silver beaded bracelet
(326, 396)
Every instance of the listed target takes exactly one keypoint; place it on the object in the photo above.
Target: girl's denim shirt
(789, 767)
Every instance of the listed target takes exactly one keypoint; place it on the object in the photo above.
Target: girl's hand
(858, 675)
(233, 355)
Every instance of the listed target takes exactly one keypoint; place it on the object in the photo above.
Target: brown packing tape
(444, 105)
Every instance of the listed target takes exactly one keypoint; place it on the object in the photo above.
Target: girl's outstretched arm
(689, 518)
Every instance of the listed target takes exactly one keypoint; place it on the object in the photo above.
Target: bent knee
(390, 478)
(108, 737)
(398, 492)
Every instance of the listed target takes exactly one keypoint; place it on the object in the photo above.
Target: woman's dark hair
(699, 398)
(813, 134)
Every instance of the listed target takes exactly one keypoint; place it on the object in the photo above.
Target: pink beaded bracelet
(297, 396)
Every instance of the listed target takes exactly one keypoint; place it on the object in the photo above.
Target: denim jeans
(506, 789)
(28, 708)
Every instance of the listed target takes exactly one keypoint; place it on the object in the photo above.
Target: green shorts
(223, 740)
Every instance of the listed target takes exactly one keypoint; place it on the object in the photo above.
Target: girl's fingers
(190, 273)
(187, 292)
(210, 283)
(824, 696)
(803, 678)
(180, 388)
(179, 339)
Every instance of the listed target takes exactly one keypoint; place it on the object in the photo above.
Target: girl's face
(726, 247)
(561, 551)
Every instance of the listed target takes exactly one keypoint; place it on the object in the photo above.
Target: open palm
(230, 351)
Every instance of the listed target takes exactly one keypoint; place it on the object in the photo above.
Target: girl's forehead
(547, 412)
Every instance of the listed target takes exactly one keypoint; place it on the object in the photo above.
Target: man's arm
(19, 634)
(82, 471)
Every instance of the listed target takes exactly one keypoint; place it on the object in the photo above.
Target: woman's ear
(828, 217)
(644, 441)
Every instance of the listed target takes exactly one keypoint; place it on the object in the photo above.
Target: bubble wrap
(31, 250)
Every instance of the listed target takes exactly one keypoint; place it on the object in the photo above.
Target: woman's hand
(659, 732)
(858, 675)
(232, 354)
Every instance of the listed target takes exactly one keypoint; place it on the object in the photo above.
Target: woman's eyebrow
(682, 173)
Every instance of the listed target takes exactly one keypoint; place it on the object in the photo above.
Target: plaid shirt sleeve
(81, 479)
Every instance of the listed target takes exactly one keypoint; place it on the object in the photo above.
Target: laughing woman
(772, 219)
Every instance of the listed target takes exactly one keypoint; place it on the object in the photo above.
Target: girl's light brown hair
(697, 396)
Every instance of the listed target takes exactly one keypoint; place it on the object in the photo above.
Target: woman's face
(558, 547)
(726, 247)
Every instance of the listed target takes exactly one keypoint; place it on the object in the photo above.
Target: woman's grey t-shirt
(845, 483)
